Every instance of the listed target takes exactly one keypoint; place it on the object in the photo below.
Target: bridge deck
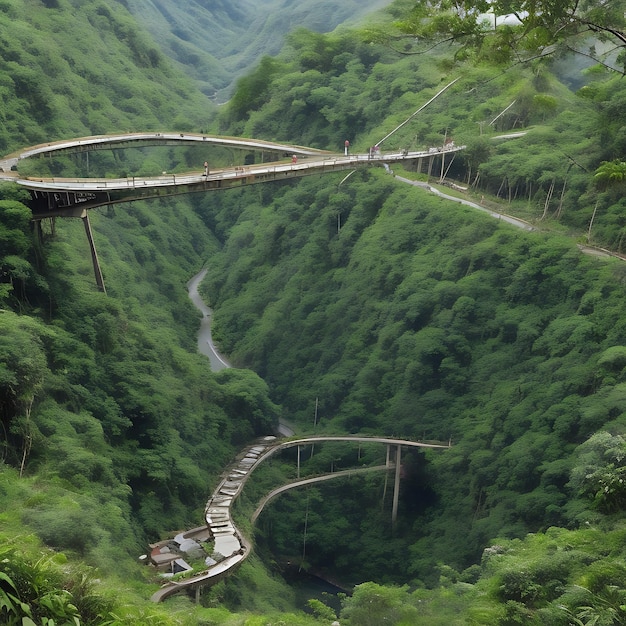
(133, 140)
(72, 197)
(229, 541)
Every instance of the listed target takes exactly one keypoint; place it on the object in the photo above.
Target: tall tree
(514, 30)
(610, 173)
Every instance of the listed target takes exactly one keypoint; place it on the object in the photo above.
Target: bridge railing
(322, 164)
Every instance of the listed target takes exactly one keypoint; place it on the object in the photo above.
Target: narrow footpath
(500, 216)
(515, 221)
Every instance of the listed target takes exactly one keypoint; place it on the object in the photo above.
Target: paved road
(205, 340)
(501, 216)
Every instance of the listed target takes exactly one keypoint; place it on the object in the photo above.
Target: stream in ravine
(205, 341)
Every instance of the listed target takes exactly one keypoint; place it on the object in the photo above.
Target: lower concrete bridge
(230, 545)
(316, 479)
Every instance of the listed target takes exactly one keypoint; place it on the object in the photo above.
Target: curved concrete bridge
(229, 542)
(72, 197)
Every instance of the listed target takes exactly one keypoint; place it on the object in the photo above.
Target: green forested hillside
(80, 68)
(216, 42)
(113, 428)
(391, 310)
(367, 303)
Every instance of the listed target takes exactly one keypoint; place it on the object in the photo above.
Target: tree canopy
(506, 31)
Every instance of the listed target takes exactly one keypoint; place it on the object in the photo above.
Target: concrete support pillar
(94, 254)
(38, 231)
(396, 487)
(388, 464)
(298, 475)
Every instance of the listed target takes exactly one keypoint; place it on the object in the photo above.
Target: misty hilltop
(218, 40)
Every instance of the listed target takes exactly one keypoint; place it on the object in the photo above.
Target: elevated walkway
(73, 197)
(230, 544)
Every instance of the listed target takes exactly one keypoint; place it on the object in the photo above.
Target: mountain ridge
(216, 42)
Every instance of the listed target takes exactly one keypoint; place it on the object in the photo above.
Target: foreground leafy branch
(510, 31)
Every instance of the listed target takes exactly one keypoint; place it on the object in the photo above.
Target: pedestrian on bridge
(206, 168)
(346, 145)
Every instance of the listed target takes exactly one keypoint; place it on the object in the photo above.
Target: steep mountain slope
(216, 42)
(399, 312)
(383, 309)
(79, 68)
(111, 426)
